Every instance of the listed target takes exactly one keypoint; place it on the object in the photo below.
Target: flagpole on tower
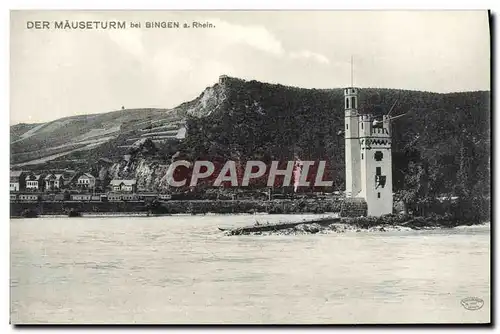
(351, 73)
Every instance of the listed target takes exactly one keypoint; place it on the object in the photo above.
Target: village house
(86, 181)
(35, 182)
(17, 180)
(71, 180)
(123, 185)
(54, 181)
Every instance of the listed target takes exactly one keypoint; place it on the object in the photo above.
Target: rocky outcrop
(210, 101)
(150, 175)
(386, 223)
(308, 228)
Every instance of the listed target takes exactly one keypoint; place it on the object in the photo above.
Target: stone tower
(352, 143)
(376, 164)
(368, 157)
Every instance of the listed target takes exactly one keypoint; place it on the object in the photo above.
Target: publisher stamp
(472, 303)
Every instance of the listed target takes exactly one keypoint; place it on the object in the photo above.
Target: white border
(249, 4)
(178, 5)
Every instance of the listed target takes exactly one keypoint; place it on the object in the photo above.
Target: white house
(86, 180)
(123, 185)
(17, 180)
(54, 181)
(35, 182)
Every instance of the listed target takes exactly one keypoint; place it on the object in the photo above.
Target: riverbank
(194, 207)
(39, 209)
(344, 225)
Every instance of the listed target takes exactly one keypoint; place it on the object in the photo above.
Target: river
(182, 270)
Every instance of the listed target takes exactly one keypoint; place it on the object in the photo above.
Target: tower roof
(351, 90)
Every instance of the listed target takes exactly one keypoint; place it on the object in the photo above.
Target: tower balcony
(382, 132)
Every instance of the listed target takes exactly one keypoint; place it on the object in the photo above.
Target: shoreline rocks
(389, 223)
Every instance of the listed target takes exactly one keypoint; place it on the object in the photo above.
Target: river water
(181, 269)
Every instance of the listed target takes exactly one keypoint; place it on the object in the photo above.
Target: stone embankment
(343, 225)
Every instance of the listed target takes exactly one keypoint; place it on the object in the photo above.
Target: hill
(275, 122)
(43, 142)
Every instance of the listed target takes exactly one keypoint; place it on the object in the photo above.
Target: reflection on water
(181, 269)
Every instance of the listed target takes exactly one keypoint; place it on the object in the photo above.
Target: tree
(415, 195)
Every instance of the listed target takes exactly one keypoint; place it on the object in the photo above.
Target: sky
(57, 73)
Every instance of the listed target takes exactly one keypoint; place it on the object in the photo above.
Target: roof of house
(90, 176)
(125, 182)
(16, 173)
(54, 176)
(75, 176)
(33, 177)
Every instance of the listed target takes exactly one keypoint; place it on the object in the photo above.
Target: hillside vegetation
(441, 147)
(85, 132)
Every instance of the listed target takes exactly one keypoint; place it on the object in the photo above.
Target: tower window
(353, 102)
(362, 156)
(347, 126)
(378, 171)
(347, 103)
(361, 125)
(378, 156)
(378, 195)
